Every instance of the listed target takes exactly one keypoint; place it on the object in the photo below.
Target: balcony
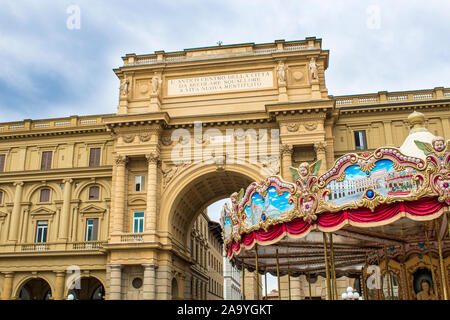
(51, 247)
(132, 238)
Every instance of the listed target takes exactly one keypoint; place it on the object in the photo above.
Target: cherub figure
(437, 145)
(305, 169)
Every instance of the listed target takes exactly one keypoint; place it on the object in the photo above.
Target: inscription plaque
(220, 83)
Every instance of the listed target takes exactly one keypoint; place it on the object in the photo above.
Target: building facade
(215, 263)
(104, 205)
(232, 280)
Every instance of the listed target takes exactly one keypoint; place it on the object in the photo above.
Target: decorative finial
(219, 43)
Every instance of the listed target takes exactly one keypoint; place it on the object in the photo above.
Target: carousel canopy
(369, 203)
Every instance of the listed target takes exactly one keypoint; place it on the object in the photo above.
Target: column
(164, 277)
(115, 283)
(119, 188)
(388, 133)
(65, 212)
(15, 215)
(25, 225)
(286, 161)
(59, 285)
(152, 190)
(7, 285)
(149, 281)
(75, 224)
(320, 148)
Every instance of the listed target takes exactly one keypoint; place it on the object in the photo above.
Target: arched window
(45, 195)
(94, 192)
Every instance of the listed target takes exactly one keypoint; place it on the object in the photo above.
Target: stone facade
(113, 198)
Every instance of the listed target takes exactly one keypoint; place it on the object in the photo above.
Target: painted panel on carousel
(266, 203)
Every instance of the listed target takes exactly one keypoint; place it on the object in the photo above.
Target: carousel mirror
(391, 285)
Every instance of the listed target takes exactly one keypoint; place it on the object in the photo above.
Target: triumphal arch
(116, 195)
(200, 123)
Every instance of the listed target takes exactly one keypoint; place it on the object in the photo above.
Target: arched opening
(87, 288)
(35, 289)
(175, 289)
(183, 209)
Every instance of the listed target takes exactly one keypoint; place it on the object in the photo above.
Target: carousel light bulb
(70, 297)
(350, 295)
(344, 296)
(349, 289)
(355, 295)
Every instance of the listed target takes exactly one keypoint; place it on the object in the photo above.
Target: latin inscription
(220, 83)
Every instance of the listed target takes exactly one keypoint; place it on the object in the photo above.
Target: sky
(56, 65)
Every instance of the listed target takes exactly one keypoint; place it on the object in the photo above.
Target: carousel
(380, 218)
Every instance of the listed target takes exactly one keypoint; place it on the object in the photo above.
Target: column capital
(67, 180)
(320, 146)
(60, 273)
(120, 160)
(8, 274)
(115, 266)
(286, 149)
(150, 265)
(18, 183)
(152, 157)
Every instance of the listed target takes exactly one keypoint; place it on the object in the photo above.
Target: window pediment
(42, 211)
(92, 209)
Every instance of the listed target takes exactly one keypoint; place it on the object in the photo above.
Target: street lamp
(351, 294)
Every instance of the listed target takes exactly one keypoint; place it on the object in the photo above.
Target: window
(138, 222)
(2, 162)
(139, 183)
(45, 195)
(41, 231)
(91, 229)
(360, 140)
(94, 157)
(1, 196)
(94, 193)
(46, 161)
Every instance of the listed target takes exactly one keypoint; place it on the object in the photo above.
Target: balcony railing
(35, 247)
(88, 245)
(133, 238)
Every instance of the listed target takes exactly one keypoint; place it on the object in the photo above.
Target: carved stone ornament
(128, 138)
(286, 149)
(145, 136)
(120, 160)
(292, 127)
(310, 126)
(152, 157)
(320, 146)
(171, 172)
(272, 165)
(166, 140)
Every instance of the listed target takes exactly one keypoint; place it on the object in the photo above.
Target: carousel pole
(388, 276)
(289, 283)
(243, 280)
(380, 293)
(265, 283)
(327, 271)
(278, 277)
(405, 274)
(256, 271)
(309, 285)
(364, 273)
(333, 270)
(441, 261)
(433, 276)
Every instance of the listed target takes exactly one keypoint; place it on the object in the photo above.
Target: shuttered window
(2, 162)
(45, 195)
(94, 157)
(46, 162)
(94, 193)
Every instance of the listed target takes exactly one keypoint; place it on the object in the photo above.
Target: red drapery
(298, 227)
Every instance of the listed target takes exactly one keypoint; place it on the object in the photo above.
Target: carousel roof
(418, 132)
(367, 213)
